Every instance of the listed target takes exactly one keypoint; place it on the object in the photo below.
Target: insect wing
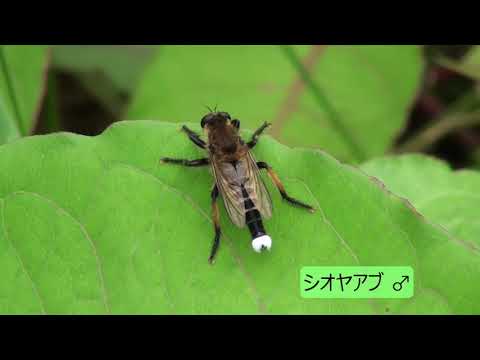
(259, 193)
(231, 195)
(233, 198)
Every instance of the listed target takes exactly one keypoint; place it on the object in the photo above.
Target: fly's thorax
(224, 139)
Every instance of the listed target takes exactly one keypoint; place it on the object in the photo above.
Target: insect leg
(194, 137)
(184, 162)
(236, 123)
(216, 224)
(256, 135)
(273, 175)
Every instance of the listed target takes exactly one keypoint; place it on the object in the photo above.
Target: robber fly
(237, 177)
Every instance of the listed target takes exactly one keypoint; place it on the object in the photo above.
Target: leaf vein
(86, 235)
(259, 300)
(19, 258)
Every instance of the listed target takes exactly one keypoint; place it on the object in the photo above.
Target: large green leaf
(98, 225)
(449, 198)
(371, 87)
(22, 85)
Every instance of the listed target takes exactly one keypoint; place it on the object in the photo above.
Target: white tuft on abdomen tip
(261, 243)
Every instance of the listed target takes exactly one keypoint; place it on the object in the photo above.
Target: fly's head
(215, 120)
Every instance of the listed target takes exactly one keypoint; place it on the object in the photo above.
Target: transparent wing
(232, 199)
(248, 175)
(260, 195)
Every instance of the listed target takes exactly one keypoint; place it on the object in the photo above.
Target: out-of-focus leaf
(468, 66)
(371, 87)
(8, 128)
(22, 86)
(108, 72)
(449, 198)
(121, 64)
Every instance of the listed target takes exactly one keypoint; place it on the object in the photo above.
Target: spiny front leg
(216, 224)
(272, 174)
(185, 162)
(194, 137)
(257, 134)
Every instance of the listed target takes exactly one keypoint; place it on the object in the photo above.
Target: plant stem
(444, 125)
(332, 115)
(11, 93)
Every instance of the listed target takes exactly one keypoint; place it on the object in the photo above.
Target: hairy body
(237, 178)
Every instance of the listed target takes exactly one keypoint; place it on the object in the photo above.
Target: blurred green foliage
(122, 64)
(443, 196)
(371, 87)
(469, 65)
(22, 87)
